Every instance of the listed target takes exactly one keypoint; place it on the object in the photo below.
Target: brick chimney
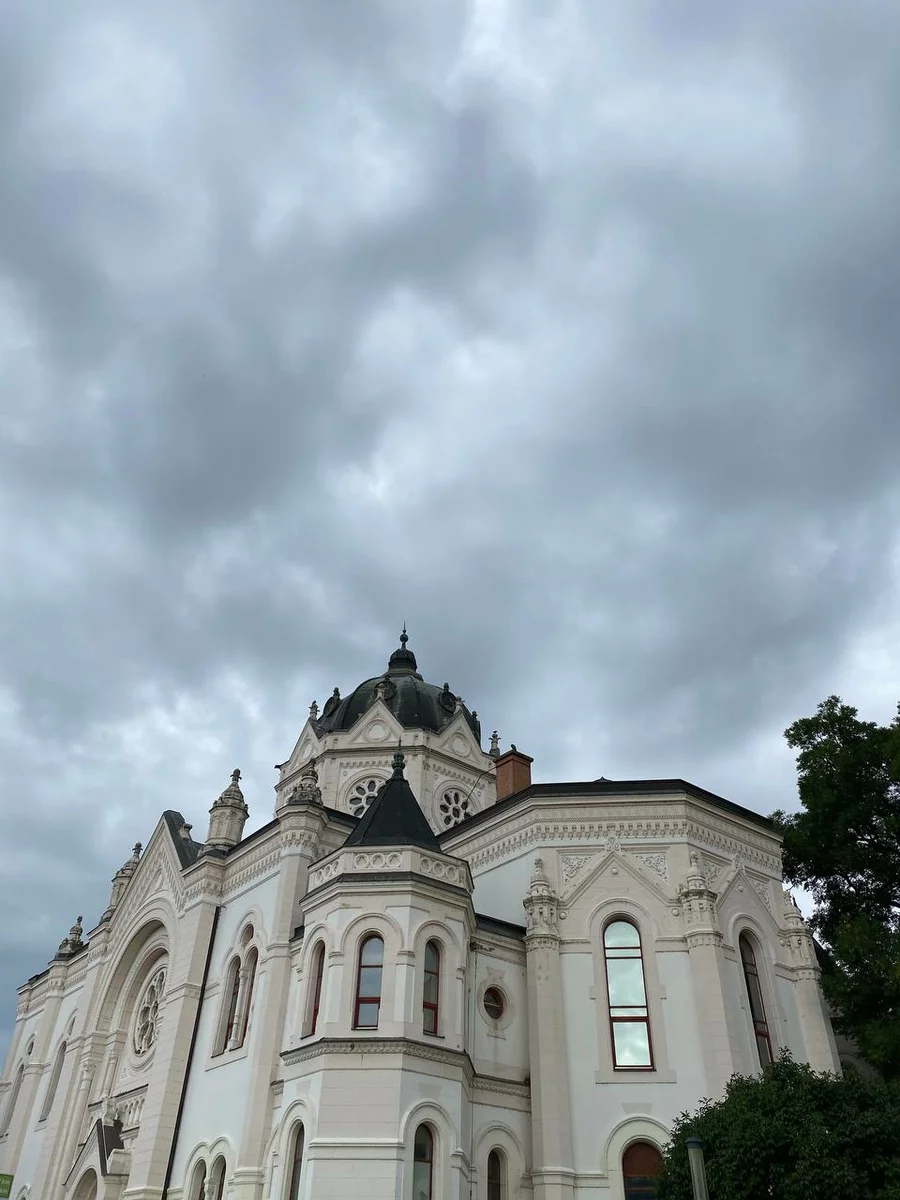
(513, 772)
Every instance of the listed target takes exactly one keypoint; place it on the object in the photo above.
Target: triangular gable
(376, 726)
(585, 876)
(755, 900)
(159, 867)
(306, 745)
(458, 730)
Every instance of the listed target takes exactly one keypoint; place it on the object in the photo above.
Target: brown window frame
(761, 1032)
(496, 1181)
(253, 959)
(432, 1008)
(298, 1137)
(644, 1008)
(429, 1161)
(319, 969)
(368, 999)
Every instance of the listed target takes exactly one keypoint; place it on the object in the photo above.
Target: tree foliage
(792, 1134)
(844, 846)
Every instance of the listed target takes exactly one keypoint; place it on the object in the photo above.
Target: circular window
(454, 807)
(146, 1021)
(494, 1003)
(362, 795)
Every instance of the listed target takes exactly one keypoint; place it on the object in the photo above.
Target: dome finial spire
(404, 636)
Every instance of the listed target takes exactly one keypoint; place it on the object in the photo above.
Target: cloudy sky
(568, 332)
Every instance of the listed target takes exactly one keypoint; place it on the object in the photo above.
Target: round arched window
(454, 807)
(146, 1019)
(363, 794)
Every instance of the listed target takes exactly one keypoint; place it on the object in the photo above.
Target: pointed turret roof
(394, 817)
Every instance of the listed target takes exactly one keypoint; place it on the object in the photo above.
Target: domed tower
(353, 740)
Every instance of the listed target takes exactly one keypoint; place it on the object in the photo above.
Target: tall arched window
(295, 1163)
(247, 999)
(198, 1183)
(496, 1175)
(318, 974)
(217, 1176)
(229, 1014)
(368, 983)
(87, 1186)
(423, 1163)
(53, 1082)
(641, 1165)
(432, 987)
(629, 1018)
(12, 1101)
(754, 995)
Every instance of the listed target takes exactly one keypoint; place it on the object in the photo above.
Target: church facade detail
(426, 978)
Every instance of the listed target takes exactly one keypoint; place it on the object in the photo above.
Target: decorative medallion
(460, 746)
(377, 732)
(454, 807)
(362, 795)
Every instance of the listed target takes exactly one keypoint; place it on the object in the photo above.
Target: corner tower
(352, 740)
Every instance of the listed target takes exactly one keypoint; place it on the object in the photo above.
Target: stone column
(818, 1039)
(551, 1122)
(704, 942)
(301, 823)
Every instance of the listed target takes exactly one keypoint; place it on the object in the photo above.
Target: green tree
(792, 1134)
(844, 846)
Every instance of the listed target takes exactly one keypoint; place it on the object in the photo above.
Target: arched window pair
(214, 1189)
(626, 993)
(369, 973)
(239, 980)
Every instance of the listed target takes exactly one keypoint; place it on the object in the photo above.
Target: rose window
(146, 1023)
(454, 807)
(363, 795)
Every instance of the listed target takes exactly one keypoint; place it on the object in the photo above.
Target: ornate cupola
(350, 739)
(227, 817)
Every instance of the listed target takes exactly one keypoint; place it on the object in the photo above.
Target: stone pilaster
(821, 1053)
(551, 1123)
(718, 1035)
(301, 823)
(24, 1115)
(183, 994)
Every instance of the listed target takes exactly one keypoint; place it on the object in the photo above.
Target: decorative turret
(121, 880)
(73, 943)
(227, 817)
(698, 904)
(307, 790)
(541, 905)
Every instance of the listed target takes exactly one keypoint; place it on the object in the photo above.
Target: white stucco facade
(219, 1008)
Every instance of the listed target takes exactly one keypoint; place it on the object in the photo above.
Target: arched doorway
(641, 1164)
(87, 1187)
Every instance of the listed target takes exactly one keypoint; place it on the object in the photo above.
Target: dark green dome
(415, 703)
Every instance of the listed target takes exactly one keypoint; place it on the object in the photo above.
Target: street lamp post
(698, 1168)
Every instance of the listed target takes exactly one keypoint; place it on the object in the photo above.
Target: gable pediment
(585, 873)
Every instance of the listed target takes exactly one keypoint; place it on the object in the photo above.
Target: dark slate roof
(612, 788)
(187, 850)
(394, 817)
(415, 703)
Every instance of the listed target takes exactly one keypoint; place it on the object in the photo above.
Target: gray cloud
(567, 333)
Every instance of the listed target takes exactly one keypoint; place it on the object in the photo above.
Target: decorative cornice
(405, 1047)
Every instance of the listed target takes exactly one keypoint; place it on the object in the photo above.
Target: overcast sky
(568, 332)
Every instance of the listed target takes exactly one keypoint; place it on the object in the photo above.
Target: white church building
(426, 978)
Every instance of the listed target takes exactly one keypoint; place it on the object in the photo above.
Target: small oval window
(494, 1004)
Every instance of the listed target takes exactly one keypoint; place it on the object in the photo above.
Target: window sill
(227, 1056)
(641, 1075)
